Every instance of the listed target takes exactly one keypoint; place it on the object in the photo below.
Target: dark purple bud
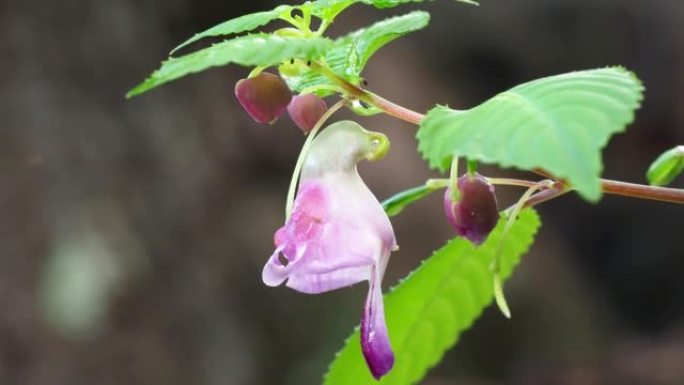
(475, 214)
(305, 110)
(265, 97)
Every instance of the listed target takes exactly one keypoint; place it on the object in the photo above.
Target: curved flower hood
(338, 233)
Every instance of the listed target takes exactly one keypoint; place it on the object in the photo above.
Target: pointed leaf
(253, 50)
(396, 203)
(559, 123)
(367, 41)
(427, 311)
(666, 167)
(240, 24)
(329, 9)
(350, 53)
(394, 3)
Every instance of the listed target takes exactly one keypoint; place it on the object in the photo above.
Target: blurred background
(133, 233)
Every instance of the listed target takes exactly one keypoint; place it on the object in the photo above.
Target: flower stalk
(302, 156)
(632, 190)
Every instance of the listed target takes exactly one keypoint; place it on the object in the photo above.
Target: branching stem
(633, 190)
(511, 182)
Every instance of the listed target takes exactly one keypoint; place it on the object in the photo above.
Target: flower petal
(342, 257)
(275, 272)
(375, 342)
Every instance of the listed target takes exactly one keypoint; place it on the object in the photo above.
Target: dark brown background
(132, 233)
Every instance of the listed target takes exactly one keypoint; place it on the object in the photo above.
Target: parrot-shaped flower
(338, 233)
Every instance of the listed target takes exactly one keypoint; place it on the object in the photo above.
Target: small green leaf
(349, 54)
(329, 9)
(240, 24)
(394, 3)
(396, 203)
(253, 50)
(666, 167)
(559, 123)
(428, 310)
(365, 42)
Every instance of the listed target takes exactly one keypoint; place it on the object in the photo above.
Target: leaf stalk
(632, 190)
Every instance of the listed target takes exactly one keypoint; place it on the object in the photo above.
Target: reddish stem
(396, 110)
(633, 190)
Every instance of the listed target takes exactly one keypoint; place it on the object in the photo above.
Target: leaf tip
(181, 45)
(133, 92)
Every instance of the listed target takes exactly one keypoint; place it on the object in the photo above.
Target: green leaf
(394, 3)
(240, 24)
(253, 50)
(329, 9)
(324, 9)
(666, 167)
(349, 54)
(396, 203)
(559, 123)
(427, 311)
(365, 42)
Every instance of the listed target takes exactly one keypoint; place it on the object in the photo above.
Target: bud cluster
(265, 97)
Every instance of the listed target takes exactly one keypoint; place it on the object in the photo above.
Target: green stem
(325, 23)
(472, 167)
(302, 25)
(499, 296)
(256, 71)
(317, 87)
(511, 182)
(453, 172)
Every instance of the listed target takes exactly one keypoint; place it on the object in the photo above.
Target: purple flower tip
(375, 342)
(475, 215)
(265, 97)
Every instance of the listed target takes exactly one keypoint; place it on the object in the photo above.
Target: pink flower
(338, 233)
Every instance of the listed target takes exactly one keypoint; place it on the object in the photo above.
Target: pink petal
(330, 240)
(321, 283)
(275, 273)
(343, 256)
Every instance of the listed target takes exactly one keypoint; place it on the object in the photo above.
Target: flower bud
(305, 111)
(475, 214)
(265, 97)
